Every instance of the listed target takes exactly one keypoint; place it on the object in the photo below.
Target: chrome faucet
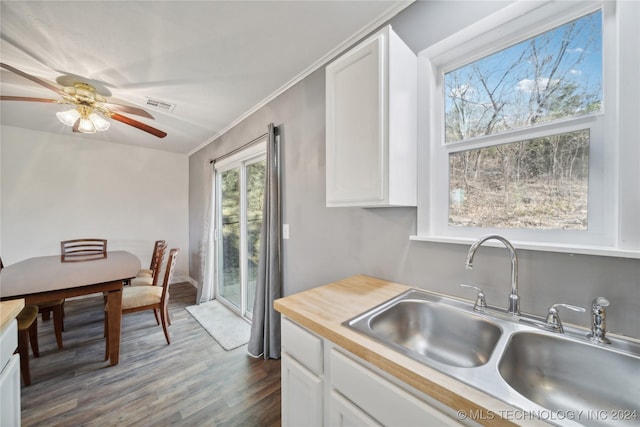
(514, 299)
(553, 317)
(598, 321)
(481, 300)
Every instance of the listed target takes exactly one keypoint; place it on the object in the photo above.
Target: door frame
(255, 153)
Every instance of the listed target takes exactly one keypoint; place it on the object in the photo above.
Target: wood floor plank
(192, 382)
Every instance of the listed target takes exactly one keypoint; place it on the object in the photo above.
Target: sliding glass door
(239, 200)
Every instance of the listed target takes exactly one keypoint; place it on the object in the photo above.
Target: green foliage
(231, 191)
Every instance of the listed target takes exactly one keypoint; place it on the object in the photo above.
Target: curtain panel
(265, 326)
(206, 291)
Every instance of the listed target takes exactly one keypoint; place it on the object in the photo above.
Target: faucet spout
(514, 299)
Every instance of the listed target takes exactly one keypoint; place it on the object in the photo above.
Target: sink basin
(425, 327)
(562, 378)
(561, 374)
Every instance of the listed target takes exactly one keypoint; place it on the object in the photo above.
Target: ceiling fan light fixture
(68, 117)
(91, 109)
(99, 123)
(89, 120)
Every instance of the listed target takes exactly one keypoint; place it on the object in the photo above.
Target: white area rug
(226, 327)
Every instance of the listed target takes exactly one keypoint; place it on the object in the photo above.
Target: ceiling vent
(160, 105)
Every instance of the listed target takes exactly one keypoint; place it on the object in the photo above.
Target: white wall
(55, 188)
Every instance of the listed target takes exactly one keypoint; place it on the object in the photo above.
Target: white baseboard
(185, 279)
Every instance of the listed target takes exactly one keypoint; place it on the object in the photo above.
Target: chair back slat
(168, 274)
(82, 249)
(156, 264)
(155, 269)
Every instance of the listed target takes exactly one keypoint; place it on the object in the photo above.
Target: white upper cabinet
(372, 124)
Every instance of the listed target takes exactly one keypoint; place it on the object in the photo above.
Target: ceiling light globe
(68, 117)
(100, 123)
(86, 126)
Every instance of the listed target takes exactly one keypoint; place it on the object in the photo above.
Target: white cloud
(460, 91)
(528, 85)
(576, 72)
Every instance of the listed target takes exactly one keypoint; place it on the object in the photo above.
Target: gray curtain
(265, 326)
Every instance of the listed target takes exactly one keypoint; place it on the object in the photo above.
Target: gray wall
(327, 244)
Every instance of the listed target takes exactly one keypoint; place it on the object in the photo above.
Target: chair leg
(155, 313)
(106, 335)
(167, 314)
(104, 299)
(58, 325)
(23, 351)
(46, 314)
(164, 325)
(33, 337)
(63, 315)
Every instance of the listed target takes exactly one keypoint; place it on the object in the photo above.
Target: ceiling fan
(90, 108)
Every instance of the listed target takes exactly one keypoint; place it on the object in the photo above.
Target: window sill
(534, 246)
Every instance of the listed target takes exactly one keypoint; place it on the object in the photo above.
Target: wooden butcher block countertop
(323, 309)
(9, 310)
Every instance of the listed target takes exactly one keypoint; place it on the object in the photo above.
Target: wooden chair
(140, 298)
(75, 250)
(153, 281)
(154, 277)
(57, 308)
(27, 332)
(82, 250)
(149, 272)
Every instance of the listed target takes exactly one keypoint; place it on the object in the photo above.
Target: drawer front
(302, 345)
(8, 343)
(387, 403)
(343, 413)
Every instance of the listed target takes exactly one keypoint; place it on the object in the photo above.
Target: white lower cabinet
(9, 377)
(325, 385)
(302, 377)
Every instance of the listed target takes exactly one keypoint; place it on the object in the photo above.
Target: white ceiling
(215, 60)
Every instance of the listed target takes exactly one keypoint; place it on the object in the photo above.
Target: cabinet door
(301, 395)
(10, 393)
(355, 125)
(346, 414)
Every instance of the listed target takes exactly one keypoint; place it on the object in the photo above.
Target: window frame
(611, 229)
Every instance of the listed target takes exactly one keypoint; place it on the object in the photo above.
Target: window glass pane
(538, 183)
(229, 262)
(555, 75)
(255, 199)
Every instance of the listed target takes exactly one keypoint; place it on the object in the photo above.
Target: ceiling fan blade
(127, 109)
(26, 98)
(33, 79)
(131, 122)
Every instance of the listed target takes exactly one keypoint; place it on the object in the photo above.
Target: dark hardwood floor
(192, 382)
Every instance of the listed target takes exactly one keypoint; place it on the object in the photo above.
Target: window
(239, 199)
(521, 133)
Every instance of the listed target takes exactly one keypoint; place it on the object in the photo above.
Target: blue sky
(581, 65)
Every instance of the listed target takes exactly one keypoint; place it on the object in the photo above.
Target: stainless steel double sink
(513, 358)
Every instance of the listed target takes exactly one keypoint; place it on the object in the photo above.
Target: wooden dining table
(47, 278)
